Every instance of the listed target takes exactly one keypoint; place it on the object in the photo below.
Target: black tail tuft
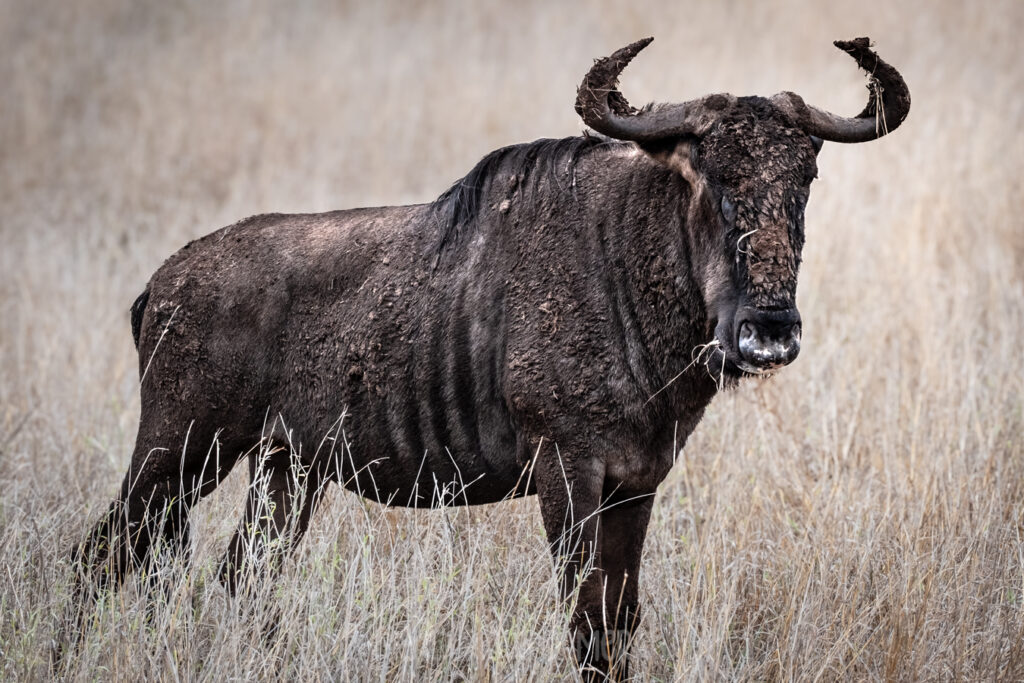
(138, 308)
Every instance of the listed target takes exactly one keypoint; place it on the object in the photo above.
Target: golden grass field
(859, 516)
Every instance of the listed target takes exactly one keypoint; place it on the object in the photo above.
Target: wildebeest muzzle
(767, 339)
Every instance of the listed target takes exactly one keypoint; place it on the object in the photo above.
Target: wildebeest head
(750, 162)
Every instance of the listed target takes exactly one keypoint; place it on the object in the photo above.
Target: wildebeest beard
(761, 165)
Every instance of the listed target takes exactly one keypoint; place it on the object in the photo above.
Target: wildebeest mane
(523, 165)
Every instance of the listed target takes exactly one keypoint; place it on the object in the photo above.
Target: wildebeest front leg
(623, 527)
(569, 486)
(283, 494)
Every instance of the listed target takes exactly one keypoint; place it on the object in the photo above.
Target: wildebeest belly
(343, 314)
(432, 433)
(382, 466)
(428, 424)
(414, 358)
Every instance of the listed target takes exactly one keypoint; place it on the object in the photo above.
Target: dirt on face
(762, 166)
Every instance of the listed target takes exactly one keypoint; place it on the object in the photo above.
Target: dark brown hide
(537, 329)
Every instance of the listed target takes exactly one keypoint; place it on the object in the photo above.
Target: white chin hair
(754, 370)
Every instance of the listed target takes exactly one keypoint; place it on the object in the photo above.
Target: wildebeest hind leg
(157, 494)
(169, 472)
(283, 493)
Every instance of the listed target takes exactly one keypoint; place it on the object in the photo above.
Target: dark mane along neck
(609, 219)
(592, 233)
(528, 167)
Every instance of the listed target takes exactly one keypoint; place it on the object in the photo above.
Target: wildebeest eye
(728, 210)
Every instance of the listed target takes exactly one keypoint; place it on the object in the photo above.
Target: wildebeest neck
(596, 269)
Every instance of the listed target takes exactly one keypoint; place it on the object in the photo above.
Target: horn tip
(888, 90)
(860, 50)
(632, 49)
(863, 43)
(627, 53)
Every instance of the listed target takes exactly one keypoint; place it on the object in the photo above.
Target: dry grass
(858, 516)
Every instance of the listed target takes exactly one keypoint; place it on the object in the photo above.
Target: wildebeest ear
(676, 154)
(817, 142)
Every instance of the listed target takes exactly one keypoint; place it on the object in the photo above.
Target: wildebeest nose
(770, 342)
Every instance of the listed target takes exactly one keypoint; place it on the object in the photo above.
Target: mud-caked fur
(540, 328)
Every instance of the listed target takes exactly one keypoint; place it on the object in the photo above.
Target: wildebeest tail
(138, 308)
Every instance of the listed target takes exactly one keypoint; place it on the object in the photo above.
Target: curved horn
(603, 108)
(872, 123)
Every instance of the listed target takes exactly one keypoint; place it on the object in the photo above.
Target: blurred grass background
(858, 516)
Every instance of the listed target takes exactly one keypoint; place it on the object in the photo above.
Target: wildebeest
(555, 323)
